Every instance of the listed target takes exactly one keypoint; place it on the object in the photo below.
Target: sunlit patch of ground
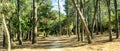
(64, 43)
(112, 46)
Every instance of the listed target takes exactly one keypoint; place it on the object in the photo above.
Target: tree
(109, 22)
(19, 23)
(83, 22)
(34, 22)
(100, 19)
(59, 17)
(10, 30)
(94, 17)
(67, 15)
(7, 34)
(77, 25)
(117, 21)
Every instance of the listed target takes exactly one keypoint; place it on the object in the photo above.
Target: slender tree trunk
(19, 22)
(94, 18)
(77, 25)
(10, 30)
(76, 29)
(89, 15)
(109, 17)
(82, 34)
(27, 35)
(100, 19)
(7, 34)
(59, 17)
(117, 21)
(4, 39)
(82, 29)
(83, 22)
(31, 23)
(67, 19)
(96, 25)
(30, 35)
(34, 22)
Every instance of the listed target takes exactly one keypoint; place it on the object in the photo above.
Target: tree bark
(117, 21)
(94, 18)
(19, 23)
(59, 18)
(77, 25)
(82, 29)
(83, 22)
(100, 19)
(7, 34)
(34, 22)
(10, 30)
(109, 23)
(67, 17)
(4, 39)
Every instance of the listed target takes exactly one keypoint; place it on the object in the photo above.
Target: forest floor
(65, 43)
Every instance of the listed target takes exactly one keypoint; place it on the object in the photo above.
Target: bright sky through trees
(55, 5)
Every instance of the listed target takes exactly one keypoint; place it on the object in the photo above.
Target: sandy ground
(65, 43)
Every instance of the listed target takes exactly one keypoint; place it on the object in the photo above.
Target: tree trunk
(10, 30)
(4, 39)
(82, 29)
(94, 18)
(67, 19)
(82, 34)
(96, 25)
(27, 35)
(19, 23)
(7, 34)
(30, 35)
(117, 21)
(59, 17)
(34, 22)
(109, 17)
(100, 19)
(83, 22)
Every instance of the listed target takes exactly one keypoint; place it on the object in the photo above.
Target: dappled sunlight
(69, 44)
(59, 25)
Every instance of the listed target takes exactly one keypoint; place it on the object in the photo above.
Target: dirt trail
(53, 43)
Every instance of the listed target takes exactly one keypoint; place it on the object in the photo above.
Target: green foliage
(48, 19)
(7, 8)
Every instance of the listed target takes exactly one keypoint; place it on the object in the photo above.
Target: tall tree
(67, 15)
(19, 23)
(7, 34)
(77, 24)
(81, 9)
(117, 21)
(83, 22)
(10, 30)
(34, 22)
(59, 17)
(94, 17)
(100, 19)
(109, 22)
